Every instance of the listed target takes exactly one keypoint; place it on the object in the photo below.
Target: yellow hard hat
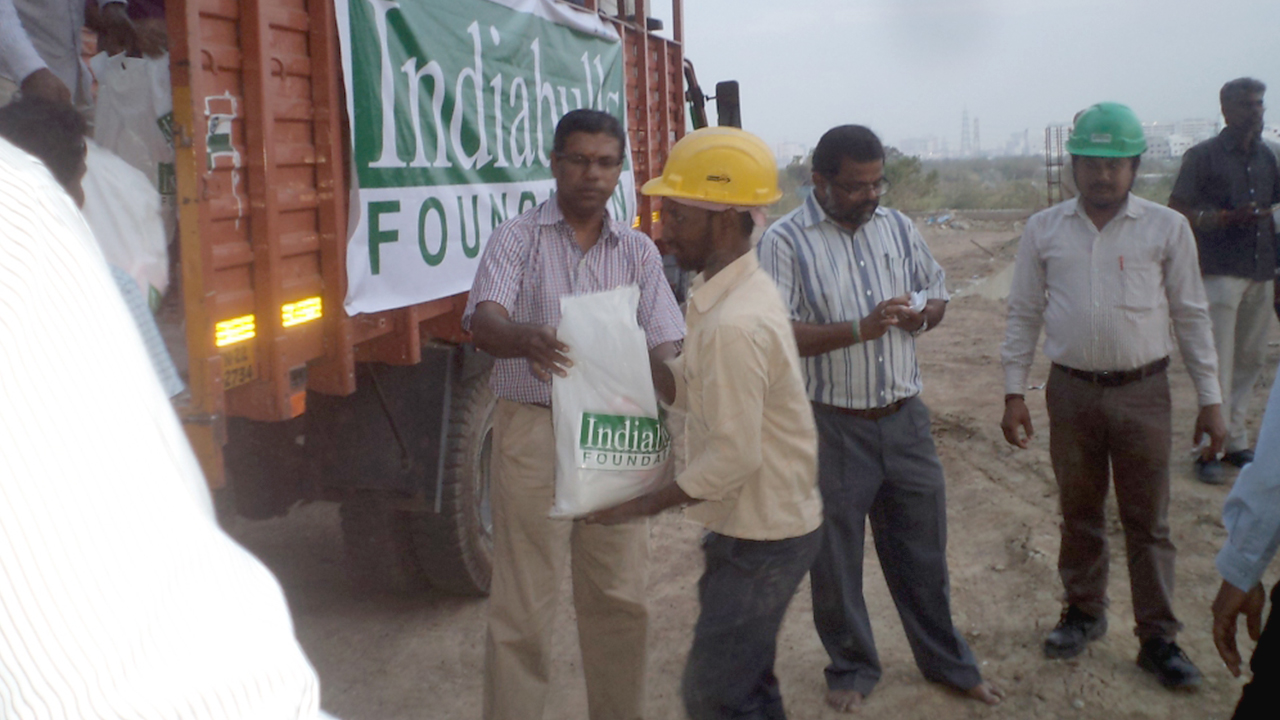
(719, 165)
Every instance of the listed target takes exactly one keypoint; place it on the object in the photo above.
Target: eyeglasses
(582, 162)
(880, 187)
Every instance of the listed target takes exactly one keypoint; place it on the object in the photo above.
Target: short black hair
(1239, 88)
(855, 142)
(594, 122)
(51, 131)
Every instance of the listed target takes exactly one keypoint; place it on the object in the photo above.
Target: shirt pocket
(1140, 286)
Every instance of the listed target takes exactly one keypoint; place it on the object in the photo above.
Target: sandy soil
(384, 658)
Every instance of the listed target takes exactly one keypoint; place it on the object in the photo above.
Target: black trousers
(1261, 697)
(744, 593)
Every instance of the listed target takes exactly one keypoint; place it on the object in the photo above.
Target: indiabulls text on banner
(453, 106)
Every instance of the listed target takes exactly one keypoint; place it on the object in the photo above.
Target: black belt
(869, 414)
(1116, 378)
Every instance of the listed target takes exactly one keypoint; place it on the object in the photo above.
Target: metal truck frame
(387, 413)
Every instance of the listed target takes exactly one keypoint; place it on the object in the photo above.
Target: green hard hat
(1107, 130)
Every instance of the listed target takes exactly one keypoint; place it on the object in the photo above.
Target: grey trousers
(887, 470)
(1241, 313)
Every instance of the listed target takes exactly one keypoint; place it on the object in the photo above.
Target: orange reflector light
(229, 332)
(302, 311)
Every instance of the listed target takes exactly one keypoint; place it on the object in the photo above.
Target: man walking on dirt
(1104, 274)
(861, 284)
(568, 245)
(1226, 188)
(752, 448)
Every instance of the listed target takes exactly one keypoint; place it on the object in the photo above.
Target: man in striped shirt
(861, 285)
(121, 597)
(568, 245)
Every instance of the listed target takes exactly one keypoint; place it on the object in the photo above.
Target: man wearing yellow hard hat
(751, 477)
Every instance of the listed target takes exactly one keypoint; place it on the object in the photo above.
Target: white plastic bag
(611, 445)
(133, 118)
(123, 210)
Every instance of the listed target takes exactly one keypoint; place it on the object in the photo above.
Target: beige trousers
(608, 566)
(1241, 312)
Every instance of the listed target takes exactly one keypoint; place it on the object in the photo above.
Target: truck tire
(380, 553)
(455, 546)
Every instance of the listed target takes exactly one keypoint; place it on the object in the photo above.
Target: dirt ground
(383, 658)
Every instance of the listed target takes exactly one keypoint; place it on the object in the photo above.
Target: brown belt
(869, 414)
(1116, 378)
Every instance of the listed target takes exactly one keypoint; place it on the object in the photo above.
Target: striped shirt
(533, 260)
(827, 274)
(121, 596)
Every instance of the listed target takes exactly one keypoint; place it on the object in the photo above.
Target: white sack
(123, 210)
(133, 118)
(611, 445)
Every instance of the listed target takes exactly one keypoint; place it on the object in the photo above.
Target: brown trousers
(1125, 430)
(608, 566)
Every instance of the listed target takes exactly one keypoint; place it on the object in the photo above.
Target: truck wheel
(380, 553)
(455, 546)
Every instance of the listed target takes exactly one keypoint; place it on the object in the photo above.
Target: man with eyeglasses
(861, 285)
(567, 245)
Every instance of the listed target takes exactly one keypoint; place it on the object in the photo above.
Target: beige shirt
(752, 443)
(1106, 297)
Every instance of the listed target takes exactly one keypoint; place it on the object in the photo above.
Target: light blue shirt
(827, 274)
(1252, 512)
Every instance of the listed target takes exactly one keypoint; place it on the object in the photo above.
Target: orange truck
(385, 409)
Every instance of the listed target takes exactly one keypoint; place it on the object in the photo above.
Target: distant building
(788, 152)
(925, 148)
(1171, 140)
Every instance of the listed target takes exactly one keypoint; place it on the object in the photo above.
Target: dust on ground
(386, 658)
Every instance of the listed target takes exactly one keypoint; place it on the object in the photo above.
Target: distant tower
(966, 145)
(977, 140)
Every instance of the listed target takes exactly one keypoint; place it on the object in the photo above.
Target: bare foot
(846, 700)
(986, 692)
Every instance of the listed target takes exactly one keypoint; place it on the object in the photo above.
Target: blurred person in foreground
(751, 477)
(861, 285)
(1226, 188)
(567, 245)
(122, 596)
(1104, 274)
(1252, 519)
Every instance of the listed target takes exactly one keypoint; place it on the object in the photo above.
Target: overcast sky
(908, 68)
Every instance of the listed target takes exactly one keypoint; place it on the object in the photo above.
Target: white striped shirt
(120, 596)
(827, 274)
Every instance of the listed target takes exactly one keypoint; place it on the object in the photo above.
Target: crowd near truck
(339, 166)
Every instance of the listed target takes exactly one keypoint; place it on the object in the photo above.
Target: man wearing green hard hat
(751, 476)
(1105, 274)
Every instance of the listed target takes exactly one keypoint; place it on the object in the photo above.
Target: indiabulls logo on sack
(621, 442)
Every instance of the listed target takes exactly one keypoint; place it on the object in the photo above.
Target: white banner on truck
(453, 106)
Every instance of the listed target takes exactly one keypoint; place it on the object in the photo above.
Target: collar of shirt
(814, 214)
(1131, 210)
(1232, 141)
(706, 293)
(551, 214)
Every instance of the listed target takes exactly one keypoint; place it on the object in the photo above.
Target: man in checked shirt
(1104, 274)
(568, 245)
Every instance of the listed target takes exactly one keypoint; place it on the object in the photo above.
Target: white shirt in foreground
(1105, 298)
(121, 596)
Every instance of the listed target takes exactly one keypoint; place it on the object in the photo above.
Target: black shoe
(1209, 472)
(1171, 666)
(1075, 630)
(1239, 458)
